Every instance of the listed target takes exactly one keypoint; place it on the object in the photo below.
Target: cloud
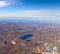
(40, 13)
(4, 3)
(34, 14)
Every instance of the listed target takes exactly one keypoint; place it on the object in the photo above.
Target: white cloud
(34, 14)
(40, 13)
(4, 3)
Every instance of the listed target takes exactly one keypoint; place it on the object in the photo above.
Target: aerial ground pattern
(30, 36)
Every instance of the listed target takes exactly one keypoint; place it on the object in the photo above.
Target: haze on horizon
(30, 8)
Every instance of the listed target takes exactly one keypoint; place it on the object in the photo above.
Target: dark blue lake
(24, 37)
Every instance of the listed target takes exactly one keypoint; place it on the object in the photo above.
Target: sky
(30, 8)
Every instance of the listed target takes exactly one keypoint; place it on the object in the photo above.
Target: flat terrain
(44, 32)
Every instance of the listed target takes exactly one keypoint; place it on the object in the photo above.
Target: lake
(26, 36)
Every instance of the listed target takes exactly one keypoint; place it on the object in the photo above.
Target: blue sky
(30, 8)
